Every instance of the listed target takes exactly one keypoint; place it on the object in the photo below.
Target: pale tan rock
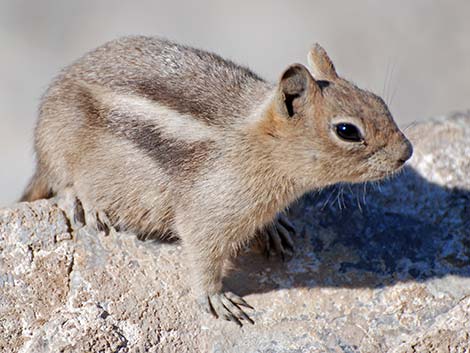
(388, 271)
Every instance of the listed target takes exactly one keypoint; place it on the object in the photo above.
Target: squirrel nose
(407, 152)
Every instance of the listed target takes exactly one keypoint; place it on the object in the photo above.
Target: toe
(103, 222)
(235, 309)
(216, 306)
(275, 238)
(287, 224)
(72, 207)
(238, 300)
(227, 306)
(286, 240)
(78, 213)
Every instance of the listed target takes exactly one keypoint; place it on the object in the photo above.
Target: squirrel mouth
(385, 174)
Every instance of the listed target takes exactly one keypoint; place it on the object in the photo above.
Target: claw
(238, 300)
(72, 207)
(287, 224)
(98, 221)
(78, 212)
(277, 237)
(227, 305)
(101, 226)
(103, 223)
(236, 314)
(286, 239)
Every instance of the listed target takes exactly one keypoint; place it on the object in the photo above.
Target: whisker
(384, 88)
(338, 197)
(327, 200)
(379, 186)
(410, 125)
(342, 197)
(364, 193)
(390, 82)
(393, 95)
(358, 201)
(356, 194)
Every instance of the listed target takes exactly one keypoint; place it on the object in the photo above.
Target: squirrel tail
(38, 188)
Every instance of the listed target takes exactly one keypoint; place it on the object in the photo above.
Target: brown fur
(165, 139)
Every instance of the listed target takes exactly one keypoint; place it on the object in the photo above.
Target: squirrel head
(327, 127)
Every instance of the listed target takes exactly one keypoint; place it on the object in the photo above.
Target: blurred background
(416, 54)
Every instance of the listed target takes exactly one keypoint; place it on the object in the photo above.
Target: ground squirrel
(162, 139)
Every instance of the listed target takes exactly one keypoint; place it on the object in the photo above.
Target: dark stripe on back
(175, 156)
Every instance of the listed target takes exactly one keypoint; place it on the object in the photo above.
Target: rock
(379, 268)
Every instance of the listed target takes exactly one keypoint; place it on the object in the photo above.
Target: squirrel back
(187, 80)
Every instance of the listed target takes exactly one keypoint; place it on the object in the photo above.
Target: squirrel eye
(348, 132)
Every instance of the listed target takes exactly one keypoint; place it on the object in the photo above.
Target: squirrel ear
(321, 65)
(295, 90)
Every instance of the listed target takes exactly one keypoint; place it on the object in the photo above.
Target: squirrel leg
(276, 237)
(208, 267)
(206, 254)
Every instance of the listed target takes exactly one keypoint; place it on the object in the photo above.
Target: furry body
(159, 138)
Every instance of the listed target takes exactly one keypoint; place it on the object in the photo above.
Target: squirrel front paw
(228, 306)
(276, 237)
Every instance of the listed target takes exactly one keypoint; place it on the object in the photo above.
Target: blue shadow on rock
(404, 229)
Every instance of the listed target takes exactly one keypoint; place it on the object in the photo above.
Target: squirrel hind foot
(80, 215)
(72, 207)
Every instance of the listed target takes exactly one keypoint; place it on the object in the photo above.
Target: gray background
(414, 53)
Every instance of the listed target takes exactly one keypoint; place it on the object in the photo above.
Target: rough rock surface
(378, 268)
